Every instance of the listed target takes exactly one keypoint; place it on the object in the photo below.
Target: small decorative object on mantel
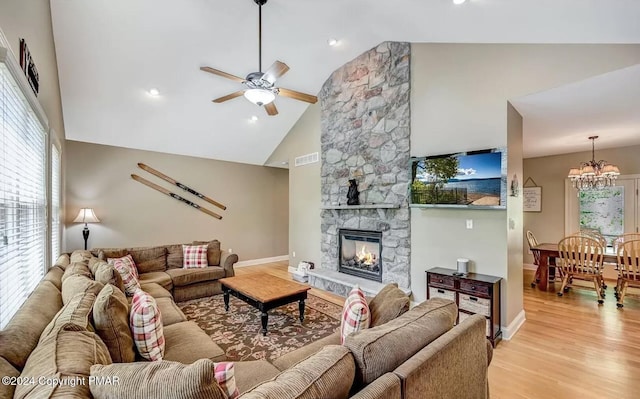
(29, 67)
(353, 195)
(532, 196)
(515, 189)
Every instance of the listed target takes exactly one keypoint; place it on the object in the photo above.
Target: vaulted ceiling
(111, 52)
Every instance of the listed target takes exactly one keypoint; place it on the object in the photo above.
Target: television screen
(470, 179)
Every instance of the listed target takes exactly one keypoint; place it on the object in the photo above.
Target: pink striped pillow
(225, 376)
(128, 260)
(129, 279)
(195, 256)
(146, 326)
(355, 313)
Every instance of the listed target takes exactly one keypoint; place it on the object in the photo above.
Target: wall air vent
(306, 159)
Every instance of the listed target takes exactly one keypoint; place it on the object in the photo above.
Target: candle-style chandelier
(593, 174)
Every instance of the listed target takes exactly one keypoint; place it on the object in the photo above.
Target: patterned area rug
(238, 332)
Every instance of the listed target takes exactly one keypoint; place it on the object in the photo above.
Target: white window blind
(55, 204)
(23, 235)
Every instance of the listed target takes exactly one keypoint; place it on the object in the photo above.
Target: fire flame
(365, 256)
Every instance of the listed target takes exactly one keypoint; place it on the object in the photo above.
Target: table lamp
(86, 215)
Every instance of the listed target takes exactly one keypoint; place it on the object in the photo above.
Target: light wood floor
(569, 347)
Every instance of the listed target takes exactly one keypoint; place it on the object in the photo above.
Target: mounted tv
(473, 180)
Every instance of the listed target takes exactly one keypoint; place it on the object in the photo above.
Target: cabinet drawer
(463, 315)
(474, 304)
(471, 286)
(442, 293)
(439, 279)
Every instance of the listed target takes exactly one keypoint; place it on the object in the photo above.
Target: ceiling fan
(260, 85)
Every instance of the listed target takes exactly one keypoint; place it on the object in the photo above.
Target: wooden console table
(473, 293)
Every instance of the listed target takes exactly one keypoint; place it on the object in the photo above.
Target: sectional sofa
(405, 354)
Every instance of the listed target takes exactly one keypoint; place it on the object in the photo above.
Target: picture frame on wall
(532, 199)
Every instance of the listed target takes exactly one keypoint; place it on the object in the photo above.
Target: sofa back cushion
(7, 370)
(111, 320)
(326, 374)
(381, 349)
(80, 256)
(63, 261)
(152, 259)
(55, 276)
(77, 268)
(68, 354)
(106, 253)
(21, 335)
(390, 303)
(107, 274)
(213, 251)
(79, 284)
(75, 311)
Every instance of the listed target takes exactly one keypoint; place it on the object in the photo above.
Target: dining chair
(581, 258)
(533, 242)
(622, 238)
(628, 268)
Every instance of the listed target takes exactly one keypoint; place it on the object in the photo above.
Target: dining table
(550, 250)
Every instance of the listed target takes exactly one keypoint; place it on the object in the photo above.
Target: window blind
(23, 234)
(55, 204)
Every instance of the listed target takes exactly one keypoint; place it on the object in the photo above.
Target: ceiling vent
(306, 159)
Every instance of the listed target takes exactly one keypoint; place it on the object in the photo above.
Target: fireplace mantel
(365, 206)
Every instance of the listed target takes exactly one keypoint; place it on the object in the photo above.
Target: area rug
(238, 331)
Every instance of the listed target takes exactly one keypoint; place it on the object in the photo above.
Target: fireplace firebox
(360, 253)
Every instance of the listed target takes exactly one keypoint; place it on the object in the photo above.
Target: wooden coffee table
(264, 292)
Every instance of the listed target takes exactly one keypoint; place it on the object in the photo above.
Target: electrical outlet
(230, 250)
(294, 254)
(470, 223)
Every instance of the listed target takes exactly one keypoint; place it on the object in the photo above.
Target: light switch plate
(469, 223)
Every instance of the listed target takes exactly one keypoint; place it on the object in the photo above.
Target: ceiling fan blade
(229, 97)
(296, 95)
(271, 109)
(223, 74)
(275, 71)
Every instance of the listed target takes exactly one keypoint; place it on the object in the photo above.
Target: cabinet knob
(440, 280)
(473, 287)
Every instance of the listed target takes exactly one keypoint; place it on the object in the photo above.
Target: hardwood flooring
(569, 347)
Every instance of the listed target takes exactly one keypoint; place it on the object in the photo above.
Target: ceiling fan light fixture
(458, 1)
(259, 96)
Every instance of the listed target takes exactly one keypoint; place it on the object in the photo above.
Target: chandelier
(593, 175)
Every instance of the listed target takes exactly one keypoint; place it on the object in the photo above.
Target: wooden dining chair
(581, 258)
(533, 242)
(628, 268)
(621, 239)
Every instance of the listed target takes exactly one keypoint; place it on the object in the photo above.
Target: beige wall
(550, 173)
(459, 100)
(255, 224)
(304, 187)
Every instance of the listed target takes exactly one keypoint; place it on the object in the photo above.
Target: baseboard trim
(253, 262)
(511, 330)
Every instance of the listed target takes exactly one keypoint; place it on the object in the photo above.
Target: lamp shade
(86, 215)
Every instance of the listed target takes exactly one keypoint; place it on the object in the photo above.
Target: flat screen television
(473, 179)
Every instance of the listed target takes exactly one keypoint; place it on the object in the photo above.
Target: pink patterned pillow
(195, 256)
(128, 260)
(355, 313)
(225, 376)
(130, 281)
(146, 326)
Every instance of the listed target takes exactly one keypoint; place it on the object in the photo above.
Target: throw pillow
(107, 274)
(129, 280)
(355, 313)
(225, 376)
(127, 260)
(111, 320)
(195, 256)
(146, 326)
(159, 380)
(390, 303)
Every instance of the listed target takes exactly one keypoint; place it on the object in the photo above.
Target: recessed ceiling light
(154, 92)
(458, 1)
(333, 42)
(253, 119)
(285, 162)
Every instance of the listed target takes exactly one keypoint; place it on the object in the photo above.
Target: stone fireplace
(365, 131)
(360, 253)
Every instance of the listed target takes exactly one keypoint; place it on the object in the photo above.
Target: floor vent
(306, 159)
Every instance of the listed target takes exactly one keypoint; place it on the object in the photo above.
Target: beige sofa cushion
(55, 276)
(327, 374)
(106, 253)
(175, 257)
(111, 320)
(152, 259)
(107, 274)
(155, 290)
(76, 311)
(253, 372)
(186, 342)
(161, 278)
(161, 379)
(171, 313)
(7, 370)
(63, 261)
(289, 359)
(77, 268)
(390, 303)
(80, 256)
(381, 349)
(68, 354)
(213, 251)
(182, 277)
(21, 335)
(78, 284)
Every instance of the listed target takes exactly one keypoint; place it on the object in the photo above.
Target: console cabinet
(473, 293)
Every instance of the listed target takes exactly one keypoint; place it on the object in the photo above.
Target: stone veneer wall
(365, 131)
